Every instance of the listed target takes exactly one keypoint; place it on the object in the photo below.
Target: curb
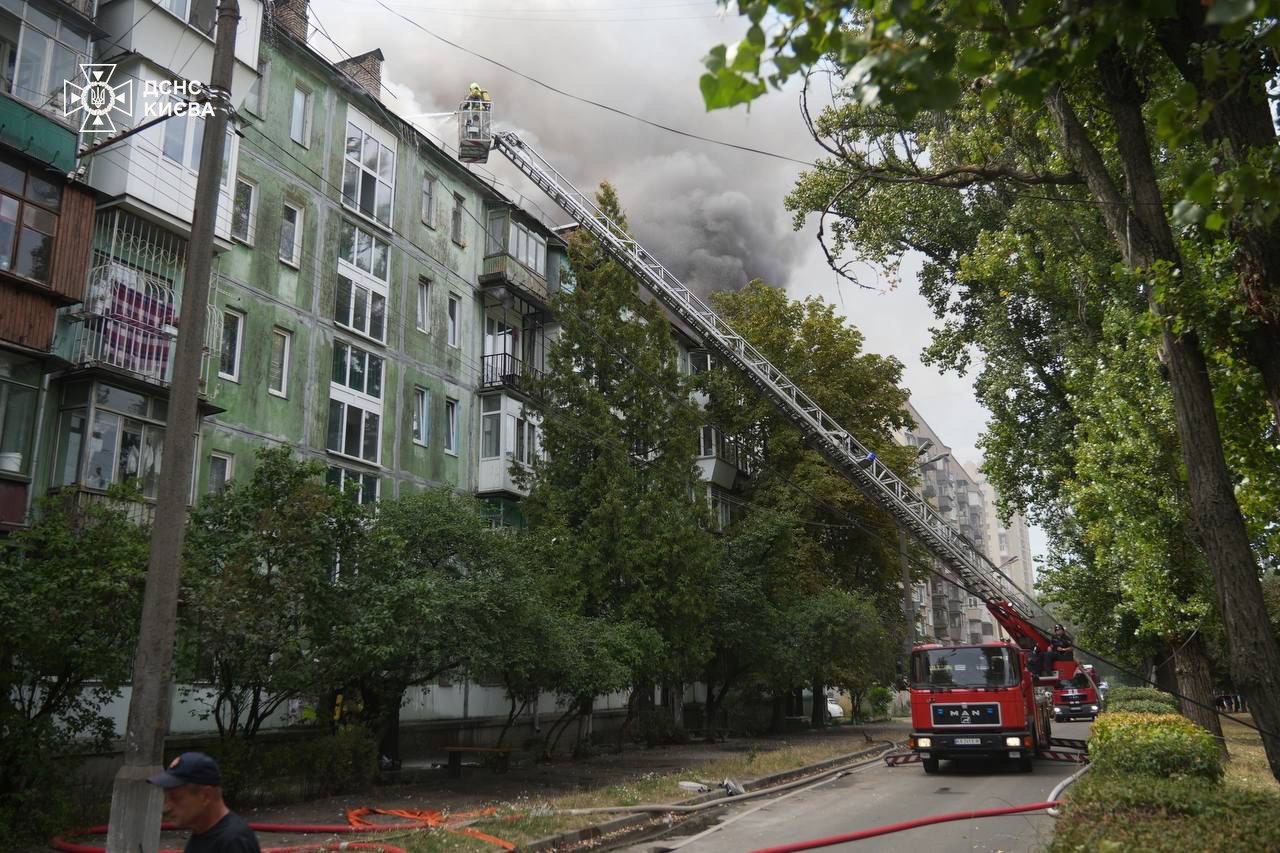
(627, 824)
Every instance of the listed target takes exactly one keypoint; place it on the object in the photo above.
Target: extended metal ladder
(844, 451)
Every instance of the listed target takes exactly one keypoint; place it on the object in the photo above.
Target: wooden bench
(500, 756)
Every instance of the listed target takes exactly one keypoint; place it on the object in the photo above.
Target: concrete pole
(135, 805)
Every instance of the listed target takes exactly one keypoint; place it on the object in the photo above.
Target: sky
(714, 215)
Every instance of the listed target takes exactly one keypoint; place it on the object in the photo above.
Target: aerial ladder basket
(475, 130)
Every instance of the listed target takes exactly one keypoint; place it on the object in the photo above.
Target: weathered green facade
(436, 360)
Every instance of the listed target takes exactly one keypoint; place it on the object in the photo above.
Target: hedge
(1138, 706)
(1143, 694)
(1106, 811)
(1154, 744)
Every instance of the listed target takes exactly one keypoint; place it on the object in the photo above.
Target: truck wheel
(1025, 765)
(930, 765)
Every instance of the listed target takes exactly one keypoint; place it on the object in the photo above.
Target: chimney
(291, 16)
(366, 70)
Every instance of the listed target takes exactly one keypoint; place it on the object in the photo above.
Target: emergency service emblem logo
(97, 98)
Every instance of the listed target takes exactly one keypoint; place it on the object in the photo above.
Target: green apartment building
(375, 303)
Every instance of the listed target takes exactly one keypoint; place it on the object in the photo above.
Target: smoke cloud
(711, 214)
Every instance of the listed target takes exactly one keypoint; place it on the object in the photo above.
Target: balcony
(504, 271)
(128, 321)
(721, 459)
(508, 372)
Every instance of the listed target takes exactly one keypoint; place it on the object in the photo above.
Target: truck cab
(1075, 692)
(976, 701)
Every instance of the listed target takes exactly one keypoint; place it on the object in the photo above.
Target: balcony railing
(127, 323)
(129, 318)
(503, 370)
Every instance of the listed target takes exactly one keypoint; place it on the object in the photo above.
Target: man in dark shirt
(193, 800)
(1060, 644)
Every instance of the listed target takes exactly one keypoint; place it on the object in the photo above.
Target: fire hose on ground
(357, 823)
(1050, 806)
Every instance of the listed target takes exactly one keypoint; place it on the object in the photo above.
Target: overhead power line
(597, 104)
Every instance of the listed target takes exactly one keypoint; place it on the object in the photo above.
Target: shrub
(878, 699)
(1138, 706)
(1154, 744)
(1105, 811)
(1144, 694)
(655, 726)
(262, 772)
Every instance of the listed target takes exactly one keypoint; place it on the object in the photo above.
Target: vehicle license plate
(968, 741)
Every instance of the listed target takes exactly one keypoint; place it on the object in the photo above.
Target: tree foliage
(1154, 117)
(70, 600)
(611, 499)
(257, 587)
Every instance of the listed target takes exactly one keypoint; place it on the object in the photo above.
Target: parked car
(834, 711)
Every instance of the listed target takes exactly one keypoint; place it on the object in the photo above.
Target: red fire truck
(1075, 692)
(983, 700)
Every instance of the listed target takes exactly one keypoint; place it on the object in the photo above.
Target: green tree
(1093, 70)
(615, 489)
(257, 586)
(425, 592)
(1025, 281)
(70, 602)
(827, 557)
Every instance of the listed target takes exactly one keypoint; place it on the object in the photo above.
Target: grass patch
(1247, 767)
(526, 819)
(1122, 812)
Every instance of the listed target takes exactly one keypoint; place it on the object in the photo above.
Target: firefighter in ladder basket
(474, 130)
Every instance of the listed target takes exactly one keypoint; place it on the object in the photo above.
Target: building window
(368, 169)
(490, 427)
(50, 54)
(423, 315)
(361, 486)
(527, 247)
(354, 430)
(360, 309)
(201, 14)
(28, 221)
(428, 201)
(300, 117)
(221, 470)
(523, 441)
(421, 400)
(451, 426)
(278, 372)
(455, 305)
(291, 235)
(19, 394)
(253, 101)
(182, 142)
(110, 435)
(363, 250)
(232, 338)
(244, 211)
(456, 231)
(357, 369)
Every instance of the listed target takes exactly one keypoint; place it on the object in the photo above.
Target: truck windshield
(971, 666)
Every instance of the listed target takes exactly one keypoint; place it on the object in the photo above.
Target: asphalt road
(883, 795)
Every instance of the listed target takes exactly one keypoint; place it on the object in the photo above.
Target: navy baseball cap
(190, 768)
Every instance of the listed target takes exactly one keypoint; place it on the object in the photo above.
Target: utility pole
(135, 805)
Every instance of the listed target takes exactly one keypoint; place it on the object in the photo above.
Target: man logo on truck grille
(983, 714)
